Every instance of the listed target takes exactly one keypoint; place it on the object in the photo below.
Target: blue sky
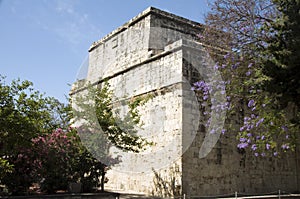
(46, 41)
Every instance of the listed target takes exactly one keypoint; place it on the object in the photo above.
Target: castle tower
(159, 53)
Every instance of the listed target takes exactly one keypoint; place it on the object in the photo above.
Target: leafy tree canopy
(26, 113)
(259, 62)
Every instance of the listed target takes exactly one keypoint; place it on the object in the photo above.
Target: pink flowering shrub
(53, 161)
(54, 154)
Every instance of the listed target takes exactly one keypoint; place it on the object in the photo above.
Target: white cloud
(65, 6)
(64, 19)
(75, 26)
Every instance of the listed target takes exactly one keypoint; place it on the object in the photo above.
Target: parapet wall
(137, 40)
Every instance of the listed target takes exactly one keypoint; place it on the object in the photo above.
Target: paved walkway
(285, 196)
(136, 196)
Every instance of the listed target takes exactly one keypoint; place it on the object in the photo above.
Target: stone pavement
(136, 196)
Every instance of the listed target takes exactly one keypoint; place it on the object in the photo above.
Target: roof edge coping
(140, 16)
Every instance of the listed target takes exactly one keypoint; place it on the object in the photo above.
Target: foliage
(251, 41)
(281, 55)
(237, 25)
(25, 113)
(53, 155)
(5, 167)
(33, 146)
(36, 149)
(96, 108)
(54, 160)
(61, 159)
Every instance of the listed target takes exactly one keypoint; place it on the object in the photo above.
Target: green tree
(95, 107)
(35, 149)
(281, 61)
(25, 114)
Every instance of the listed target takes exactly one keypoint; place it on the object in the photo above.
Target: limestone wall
(167, 28)
(119, 51)
(162, 118)
(226, 170)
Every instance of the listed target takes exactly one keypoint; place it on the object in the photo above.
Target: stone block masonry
(158, 53)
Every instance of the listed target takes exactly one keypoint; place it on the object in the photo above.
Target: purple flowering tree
(237, 30)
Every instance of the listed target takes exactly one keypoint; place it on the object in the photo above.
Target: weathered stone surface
(157, 53)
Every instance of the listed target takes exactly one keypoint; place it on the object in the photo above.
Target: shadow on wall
(167, 184)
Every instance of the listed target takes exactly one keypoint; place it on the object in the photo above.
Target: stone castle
(159, 53)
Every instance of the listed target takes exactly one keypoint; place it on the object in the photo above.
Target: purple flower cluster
(249, 123)
(235, 65)
(251, 103)
(285, 128)
(285, 146)
(221, 107)
(202, 86)
(216, 66)
(259, 122)
(244, 143)
(254, 147)
(223, 131)
(227, 56)
(250, 65)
